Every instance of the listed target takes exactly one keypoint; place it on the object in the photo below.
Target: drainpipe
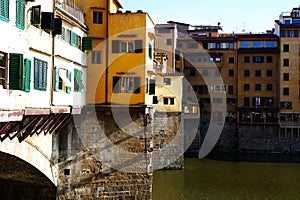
(52, 59)
(106, 55)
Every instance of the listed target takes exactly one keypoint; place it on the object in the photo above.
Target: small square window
(269, 87)
(269, 73)
(231, 60)
(286, 76)
(169, 41)
(96, 57)
(269, 59)
(286, 62)
(246, 73)
(97, 17)
(247, 59)
(230, 89)
(257, 87)
(286, 91)
(257, 73)
(246, 87)
(167, 81)
(231, 72)
(286, 48)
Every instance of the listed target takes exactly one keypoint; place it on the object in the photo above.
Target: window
(35, 15)
(286, 76)
(286, 62)
(286, 91)
(74, 41)
(231, 60)
(231, 45)
(217, 59)
(245, 44)
(211, 45)
(40, 74)
(246, 101)
(286, 105)
(169, 101)
(4, 10)
(97, 17)
(78, 82)
(256, 101)
(62, 80)
(283, 33)
(96, 57)
(231, 72)
(169, 41)
(257, 73)
(203, 89)
(231, 101)
(192, 72)
(193, 45)
(217, 100)
(126, 84)
(246, 73)
(258, 59)
(179, 45)
(205, 45)
(289, 33)
(247, 59)
(257, 44)
(269, 73)
(127, 46)
(87, 43)
(230, 89)
(296, 33)
(271, 44)
(3, 70)
(286, 48)
(20, 14)
(151, 53)
(218, 45)
(269, 87)
(223, 45)
(246, 87)
(167, 81)
(269, 59)
(152, 85)
(164, 30)
(258, 87)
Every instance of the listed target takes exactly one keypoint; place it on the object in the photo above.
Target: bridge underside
(20, 180)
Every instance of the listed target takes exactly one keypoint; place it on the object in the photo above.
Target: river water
(215, 179)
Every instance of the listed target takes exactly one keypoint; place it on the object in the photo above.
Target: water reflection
(212, 179)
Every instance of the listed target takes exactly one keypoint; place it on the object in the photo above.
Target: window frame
(40, 74)
(97, 17)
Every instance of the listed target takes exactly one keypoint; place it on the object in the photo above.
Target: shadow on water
(231, 176)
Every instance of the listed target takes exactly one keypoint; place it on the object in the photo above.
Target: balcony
(69, 7)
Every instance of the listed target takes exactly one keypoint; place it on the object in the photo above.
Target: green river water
(212, 179)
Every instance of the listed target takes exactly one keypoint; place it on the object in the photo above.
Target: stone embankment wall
(102, 156)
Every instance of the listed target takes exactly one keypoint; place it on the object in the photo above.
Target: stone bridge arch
(29, 163)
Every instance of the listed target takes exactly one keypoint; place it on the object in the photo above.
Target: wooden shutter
(47, 20)
(15, 71)
(27, 75)
(116, 46)
(87, 43)
(69, 75)
(56, 79)
(20, 14)
(138, 46)
(44, 75)
(4, 10)
(78, 85)
(137, 85)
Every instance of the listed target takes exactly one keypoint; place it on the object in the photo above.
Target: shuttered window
(40, 74)
(127, 46)
(4, 10)
(16, 71)
(78, 84)
(27, 78)
(87, 43)
(69, 76)
(126, 85)
(20, 14)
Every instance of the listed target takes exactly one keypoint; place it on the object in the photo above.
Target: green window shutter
(138, 46)
(116, 46)
(27, 75)
(15, 71)
(4, 10)
(44, 75)
(69, 75)
(56, 79)
(78, 85)
(137, 85)
(20, 14)
(40, 74)
(87, 43)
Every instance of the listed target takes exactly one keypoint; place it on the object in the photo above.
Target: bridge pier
(102, 154)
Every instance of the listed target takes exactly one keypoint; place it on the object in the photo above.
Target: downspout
(106, 55)
(52, 59)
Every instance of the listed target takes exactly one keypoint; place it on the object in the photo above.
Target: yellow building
(121, 51)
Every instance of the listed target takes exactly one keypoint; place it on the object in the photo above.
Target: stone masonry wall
(168, 142)
(101, 156)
